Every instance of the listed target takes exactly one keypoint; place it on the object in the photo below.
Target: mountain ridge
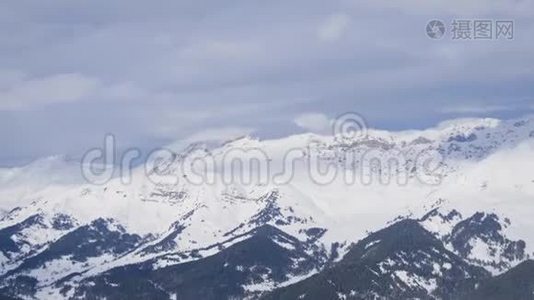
(173, 224)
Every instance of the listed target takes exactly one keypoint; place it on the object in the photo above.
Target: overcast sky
(156, 72)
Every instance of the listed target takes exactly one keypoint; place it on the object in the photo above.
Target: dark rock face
(89, 241)
(270, 213)
(449, 217)
(517, 283)
(15, 243)
(400, 262)
(268, 256)
(7, 246)
(520, 123)
(167, 243)
(462, 138)
(62, 222)
(486, 229)
(19, 286)
(86, 241)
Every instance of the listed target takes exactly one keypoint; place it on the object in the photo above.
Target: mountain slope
(480, 239)
(265, 258)
(517, 283)
(399, 262)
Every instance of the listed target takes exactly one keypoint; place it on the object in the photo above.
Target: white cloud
(9, 78)
(125, 91)
(17, 92)
(220, 134)
(38, 92)
(212, 135)
(333, 27)
(314, 122)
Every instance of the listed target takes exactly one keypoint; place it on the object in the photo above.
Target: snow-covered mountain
(463, 190)
(19, 183)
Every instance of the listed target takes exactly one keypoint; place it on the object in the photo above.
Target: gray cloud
(37, 92)
(314, 122)
(157, 73)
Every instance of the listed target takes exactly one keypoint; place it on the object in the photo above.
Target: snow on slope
(501, 186)
(18, 184)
